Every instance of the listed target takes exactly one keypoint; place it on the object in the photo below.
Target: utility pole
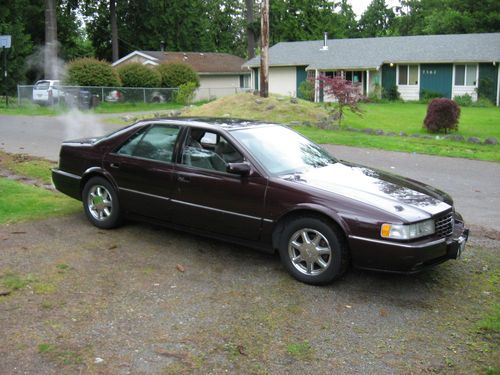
(250, 29)
(5, 42)
(50, 63)
(264, 53)
(114, 30)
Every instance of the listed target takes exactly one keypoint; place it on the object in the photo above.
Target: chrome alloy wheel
(99, 202)
(309, 251)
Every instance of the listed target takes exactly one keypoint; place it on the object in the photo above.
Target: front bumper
(408, 257)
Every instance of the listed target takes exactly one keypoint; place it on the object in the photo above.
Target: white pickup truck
(47, 92)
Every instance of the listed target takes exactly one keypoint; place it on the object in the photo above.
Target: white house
(220, 74)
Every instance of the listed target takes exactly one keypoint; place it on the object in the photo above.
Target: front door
(210, 199)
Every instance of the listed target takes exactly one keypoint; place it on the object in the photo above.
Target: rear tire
(101, 204)
(312, 250)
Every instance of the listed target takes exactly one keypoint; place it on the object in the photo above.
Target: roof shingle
(367, 53)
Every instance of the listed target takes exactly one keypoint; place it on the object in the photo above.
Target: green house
(448, 65)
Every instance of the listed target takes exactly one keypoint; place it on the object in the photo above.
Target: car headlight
(408, 231)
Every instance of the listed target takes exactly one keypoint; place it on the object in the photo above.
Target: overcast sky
(359, 6)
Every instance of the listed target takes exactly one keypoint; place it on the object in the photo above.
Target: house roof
(202, 62)
(364, 53)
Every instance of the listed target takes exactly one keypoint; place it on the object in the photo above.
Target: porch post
(367, 82)
(316, 86)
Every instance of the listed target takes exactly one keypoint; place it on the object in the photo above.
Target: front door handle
(184, 179)
(115, 165)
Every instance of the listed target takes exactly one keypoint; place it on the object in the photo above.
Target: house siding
(388, 76)
(301, 77)
(255, 79)
(490, 72)
(436, 78)
(283, 80)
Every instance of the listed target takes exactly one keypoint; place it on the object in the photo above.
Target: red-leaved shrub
(442, 113)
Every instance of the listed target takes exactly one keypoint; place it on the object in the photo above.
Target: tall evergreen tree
(376, 20)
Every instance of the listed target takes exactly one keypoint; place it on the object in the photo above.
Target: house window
(408, 75)
(244, 81)
(465, 75)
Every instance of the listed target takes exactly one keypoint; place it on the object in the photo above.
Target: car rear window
(42, 85)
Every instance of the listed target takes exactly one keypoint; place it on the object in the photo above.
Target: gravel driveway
(147, 300)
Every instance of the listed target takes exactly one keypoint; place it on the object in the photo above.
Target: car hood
(408, 199)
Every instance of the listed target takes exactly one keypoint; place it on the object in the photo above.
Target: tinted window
(156, 143)
(208, 150)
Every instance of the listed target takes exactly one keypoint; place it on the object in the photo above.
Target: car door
(210, 199)
(142, 167)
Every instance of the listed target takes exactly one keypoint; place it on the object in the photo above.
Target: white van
(47, 92)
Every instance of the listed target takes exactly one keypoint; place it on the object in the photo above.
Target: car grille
(444, 225)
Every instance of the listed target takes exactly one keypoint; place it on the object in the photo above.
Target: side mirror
(243, 169)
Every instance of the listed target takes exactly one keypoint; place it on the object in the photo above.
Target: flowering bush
(442, 114)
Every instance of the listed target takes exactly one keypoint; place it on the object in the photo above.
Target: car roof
(216, 122)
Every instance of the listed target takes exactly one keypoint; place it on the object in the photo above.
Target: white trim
(149, 62)
(367, 81)
(316, 87)
(498, 84)
(132, 54)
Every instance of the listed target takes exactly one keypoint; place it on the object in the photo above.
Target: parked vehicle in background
(113, 96)
(47, 92)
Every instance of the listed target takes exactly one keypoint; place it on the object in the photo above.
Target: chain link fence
(90, 96)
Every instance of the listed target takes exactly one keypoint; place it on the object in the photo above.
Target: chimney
(162, 45)
(325, 39)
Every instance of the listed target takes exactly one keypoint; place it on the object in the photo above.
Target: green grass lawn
(439, 147)
(30, 109)
(409, 117)
(19, 202)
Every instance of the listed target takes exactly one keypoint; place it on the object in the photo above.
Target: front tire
(312, 250)
(101, 203)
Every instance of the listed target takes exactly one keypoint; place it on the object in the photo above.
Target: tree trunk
(51, 64)
(264, 53)
(114, 30)
(250, 30)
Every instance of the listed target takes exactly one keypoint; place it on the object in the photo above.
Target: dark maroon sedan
(265, 186)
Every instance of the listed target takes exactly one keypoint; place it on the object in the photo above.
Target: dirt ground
(148, 300)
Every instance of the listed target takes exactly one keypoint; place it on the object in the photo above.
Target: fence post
(144, 91)
(102, 94)
(18, 96)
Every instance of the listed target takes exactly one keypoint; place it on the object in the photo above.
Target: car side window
(156, 143)
(208, 150)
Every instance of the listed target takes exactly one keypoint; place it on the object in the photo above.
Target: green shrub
(442, 114)
(88, 71)
(306, 90)
(464, 100)
(177, 74)
(483, 103)
(185, 94)
(485, 88)
(391, 94)
(138, 75)
(427, 95)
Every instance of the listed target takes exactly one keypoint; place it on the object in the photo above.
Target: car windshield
(281, 150)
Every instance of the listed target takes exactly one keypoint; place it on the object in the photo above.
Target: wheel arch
(315, 211)
(97, 172)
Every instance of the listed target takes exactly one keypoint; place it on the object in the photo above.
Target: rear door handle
(115, 165)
